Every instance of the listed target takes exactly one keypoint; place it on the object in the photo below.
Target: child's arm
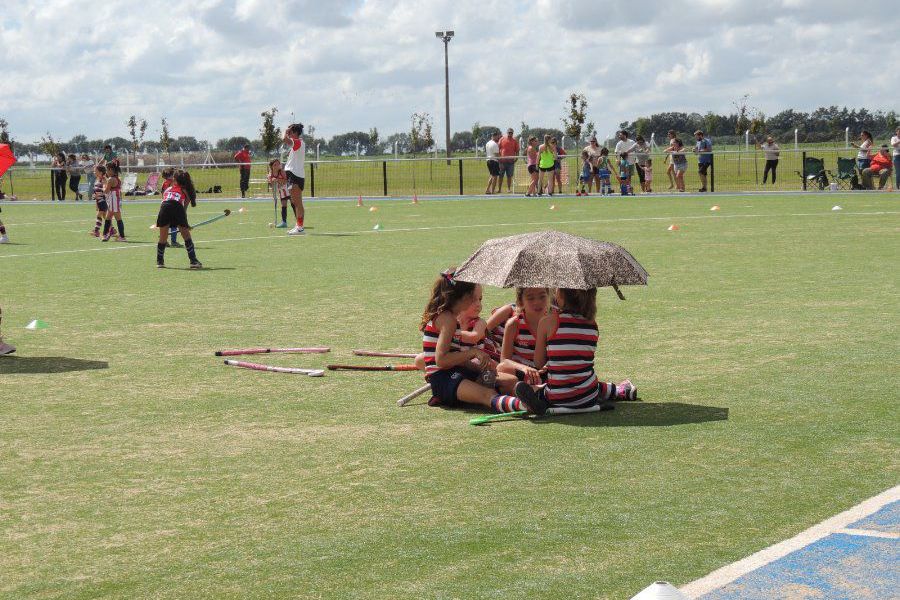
(444, 358)
(499, 316)
(476, 335)
(509, 338)
(107, 185)
(531, 375)
(547, 325)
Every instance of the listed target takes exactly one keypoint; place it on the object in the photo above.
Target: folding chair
(846, 176)
(129, 184)
(814, 173)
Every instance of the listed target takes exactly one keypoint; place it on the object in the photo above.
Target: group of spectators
(70, 168)
(879, 164)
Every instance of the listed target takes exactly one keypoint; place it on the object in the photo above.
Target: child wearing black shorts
(172, 213)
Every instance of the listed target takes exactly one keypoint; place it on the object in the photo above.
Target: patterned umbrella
(552, 259)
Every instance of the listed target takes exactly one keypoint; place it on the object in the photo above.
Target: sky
(211, 66)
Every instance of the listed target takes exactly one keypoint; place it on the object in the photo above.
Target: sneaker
(625, 391)
(297, 231)
(282, 225)
(4, 239)
(197, 265)
(119, 238)
(175, 245)
(6, 348)
(95, 233)
(106, 237)
(160, 265)
(532, 401)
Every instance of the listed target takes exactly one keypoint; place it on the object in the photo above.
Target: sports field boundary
(836, 524)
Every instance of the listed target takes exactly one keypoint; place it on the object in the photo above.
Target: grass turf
(134, 464)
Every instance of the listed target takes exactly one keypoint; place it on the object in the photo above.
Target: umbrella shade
(7, 158)
(551, 259)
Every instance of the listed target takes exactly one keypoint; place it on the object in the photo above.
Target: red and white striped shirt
(523, 344)
(571, 380)
(429, 346)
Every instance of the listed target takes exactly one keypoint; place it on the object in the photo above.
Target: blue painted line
(886, 520)
(838, 567)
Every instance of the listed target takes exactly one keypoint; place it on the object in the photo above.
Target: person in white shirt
(864, 156)
(771, 151)
(294, 170)
(492, 153)
(625, 143)
(895, 144)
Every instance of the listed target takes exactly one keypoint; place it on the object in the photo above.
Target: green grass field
(134, 464)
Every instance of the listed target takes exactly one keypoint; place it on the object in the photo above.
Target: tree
(402, 141)
(187, 142)
(270, 135)
(4, 131)
(420, 138)
(165, 141)
(345, 144)
(233, 143)
(462, 141)
(476, 130)
(48, 145)
(136, 128)
(576, 115)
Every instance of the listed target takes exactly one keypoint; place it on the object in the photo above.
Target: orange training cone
(359, 201)
(673, 227)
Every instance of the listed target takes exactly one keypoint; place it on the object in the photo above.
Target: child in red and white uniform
(278, 180)
(565, 344)
(452, 371)
(112, 187)
(99, 197)
(173, 213)
(295, 172)
(517, 355)
(168, 175)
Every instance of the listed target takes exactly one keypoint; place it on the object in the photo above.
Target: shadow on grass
(640, 414)
(47, 364)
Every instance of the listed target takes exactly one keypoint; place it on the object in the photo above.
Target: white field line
(472, 226)
(722, 577)
(91, 219)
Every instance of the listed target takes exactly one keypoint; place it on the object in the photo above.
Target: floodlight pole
(445, 37)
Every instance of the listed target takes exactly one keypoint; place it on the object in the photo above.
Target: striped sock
(504, 404)
(98, 224)
(607, 392)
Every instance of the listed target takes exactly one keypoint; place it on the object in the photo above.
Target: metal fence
(732, 171)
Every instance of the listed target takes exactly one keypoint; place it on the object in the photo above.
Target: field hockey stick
(402, 401)
(214, 219)
(372, 368)
(241, 351)
(272, 369)
(275, 193)
(494, 417)
(384, 354)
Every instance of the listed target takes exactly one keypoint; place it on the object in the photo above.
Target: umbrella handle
(618, 293)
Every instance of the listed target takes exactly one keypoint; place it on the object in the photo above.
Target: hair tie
(448, 275)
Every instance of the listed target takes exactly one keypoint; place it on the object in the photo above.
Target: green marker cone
(377, 227)
(37, 324)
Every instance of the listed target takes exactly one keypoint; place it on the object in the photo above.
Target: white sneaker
(297, 231)
(4, 239)
(6, 349)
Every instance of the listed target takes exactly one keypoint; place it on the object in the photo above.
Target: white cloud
(212, 66)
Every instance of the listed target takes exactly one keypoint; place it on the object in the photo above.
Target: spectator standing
(895, 143)
(771, 151)
(640, 152)
(492, 153)
(509, 152)
(879, 165)
(531, 158)
(593, 150)
(242, 157)
(557, 164)
(87, 168)
(546, 158)
(58, 171)
(109, 156)
(863, 157)
(624, 143)
(679, 162)
(703, 149)
(670, 170)
(73, 168)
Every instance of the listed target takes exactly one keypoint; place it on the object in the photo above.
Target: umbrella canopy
(551, 259)
(7, 158)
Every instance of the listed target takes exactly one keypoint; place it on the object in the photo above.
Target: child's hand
(482, 357)
(532, 376)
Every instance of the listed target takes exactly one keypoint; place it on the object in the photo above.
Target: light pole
(445, 36)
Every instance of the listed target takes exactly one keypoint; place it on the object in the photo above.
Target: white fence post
(357, 149)
(317, 150)
(747, 140)
(847, 137)
(796, 145)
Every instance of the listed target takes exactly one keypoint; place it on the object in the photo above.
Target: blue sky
(210, 67)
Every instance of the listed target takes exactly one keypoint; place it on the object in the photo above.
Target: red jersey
(243, 156)
(175, 194)
(166, 185)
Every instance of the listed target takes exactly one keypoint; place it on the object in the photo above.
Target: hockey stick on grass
(241, 351)
(384, 354)
(272, 369)
(402, 401)
(372, 368)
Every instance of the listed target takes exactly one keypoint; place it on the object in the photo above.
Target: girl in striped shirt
(452, 371)
(517, 355)
(565, 345)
